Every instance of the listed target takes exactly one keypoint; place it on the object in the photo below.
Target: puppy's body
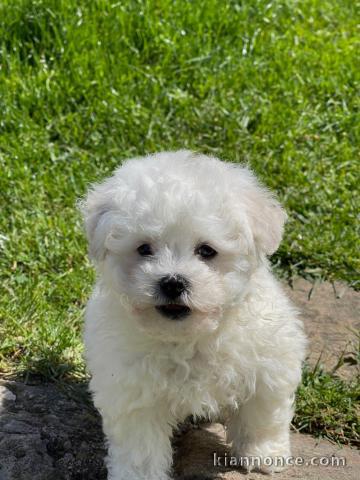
(227, 342)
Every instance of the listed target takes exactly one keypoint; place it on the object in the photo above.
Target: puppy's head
(176, 236)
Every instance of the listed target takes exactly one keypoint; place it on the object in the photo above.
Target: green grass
(328, 406)
(86, 84)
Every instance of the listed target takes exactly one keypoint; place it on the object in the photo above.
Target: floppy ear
(267, 222)
(265, 215)
(98, 209)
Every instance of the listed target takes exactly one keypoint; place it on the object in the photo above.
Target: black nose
(173, 286)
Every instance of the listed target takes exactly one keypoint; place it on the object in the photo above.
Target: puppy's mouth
(174, 311)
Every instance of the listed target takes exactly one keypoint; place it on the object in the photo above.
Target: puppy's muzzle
(172, 287)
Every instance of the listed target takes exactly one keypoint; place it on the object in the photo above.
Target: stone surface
(196, 448)
(331, 314)
(52, 432)
(48, 433)
(6, 394)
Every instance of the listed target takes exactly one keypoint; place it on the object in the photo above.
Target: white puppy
(186, 317)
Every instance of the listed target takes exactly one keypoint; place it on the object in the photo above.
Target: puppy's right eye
(145, 250)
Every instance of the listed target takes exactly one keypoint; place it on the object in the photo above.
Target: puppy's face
(176, 271)
(175, 241)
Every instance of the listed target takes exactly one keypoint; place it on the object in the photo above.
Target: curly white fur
(237, 355)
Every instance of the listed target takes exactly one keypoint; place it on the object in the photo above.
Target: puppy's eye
(145, 250)
(205, 251)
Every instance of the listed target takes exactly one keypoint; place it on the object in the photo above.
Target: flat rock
(49, 433)
(6, 394)
(196, 449)
(331, 315)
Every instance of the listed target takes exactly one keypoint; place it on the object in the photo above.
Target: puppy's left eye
(205, 251)
(145, 250)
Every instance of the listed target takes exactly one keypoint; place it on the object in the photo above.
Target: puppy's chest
(205, 384)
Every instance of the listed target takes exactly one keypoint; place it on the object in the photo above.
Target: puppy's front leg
(259, 431)
(139, 446)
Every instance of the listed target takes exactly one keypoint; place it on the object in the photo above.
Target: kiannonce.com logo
(257, 462)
